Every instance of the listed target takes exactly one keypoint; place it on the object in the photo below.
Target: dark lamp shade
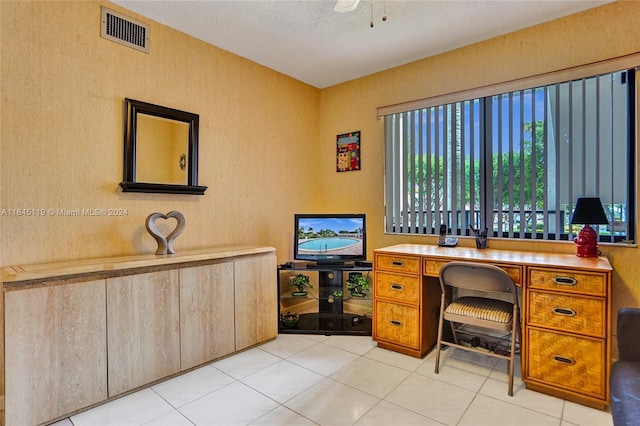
(589, 211)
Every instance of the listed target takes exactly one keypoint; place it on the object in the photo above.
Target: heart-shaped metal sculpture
(165, 245)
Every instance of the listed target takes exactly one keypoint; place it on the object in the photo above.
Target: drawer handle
(564, 360)
(567, 312)
(397, 263)
(396, 322)
(397, 287)
(565, 280)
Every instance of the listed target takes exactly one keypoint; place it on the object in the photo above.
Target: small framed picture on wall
(348, 152)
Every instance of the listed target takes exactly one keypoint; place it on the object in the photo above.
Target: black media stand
(329, 266)
(327, 308)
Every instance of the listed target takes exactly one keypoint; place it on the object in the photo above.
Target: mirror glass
(161, 150)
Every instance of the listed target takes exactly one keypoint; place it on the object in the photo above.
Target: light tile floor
(340, 380)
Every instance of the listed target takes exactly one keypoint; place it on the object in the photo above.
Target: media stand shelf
(322, 310)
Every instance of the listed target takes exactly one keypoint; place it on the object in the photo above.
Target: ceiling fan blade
(345, 5)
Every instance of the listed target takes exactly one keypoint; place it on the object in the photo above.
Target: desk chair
(486, 311)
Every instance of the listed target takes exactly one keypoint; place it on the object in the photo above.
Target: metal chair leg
(515, 331)
(440, 325)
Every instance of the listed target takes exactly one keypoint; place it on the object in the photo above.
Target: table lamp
(588, 211)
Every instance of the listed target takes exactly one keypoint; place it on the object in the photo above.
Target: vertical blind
(515, 162)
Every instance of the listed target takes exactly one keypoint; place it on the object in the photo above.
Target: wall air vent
(124, 30)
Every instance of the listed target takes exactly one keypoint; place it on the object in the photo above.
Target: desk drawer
(567, 281)
(576, 314)
(397, 323)
(515, 272)
(569, 362)
(405, 288)
(406, 264)
(432, 268)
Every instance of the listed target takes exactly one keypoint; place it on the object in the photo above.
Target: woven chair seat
(482, 308)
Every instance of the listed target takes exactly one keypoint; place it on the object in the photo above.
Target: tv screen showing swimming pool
(330, 238)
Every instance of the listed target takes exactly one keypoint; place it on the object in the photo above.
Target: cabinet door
(143, 338)
(206, 313)
(56, 357)
(256, 298)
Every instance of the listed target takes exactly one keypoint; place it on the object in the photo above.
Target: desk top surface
(531, 258)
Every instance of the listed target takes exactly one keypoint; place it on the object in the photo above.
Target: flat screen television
(330, 239)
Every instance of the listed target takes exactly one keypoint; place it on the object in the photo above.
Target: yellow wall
(267, 142)
(602, 33)
(63, 88)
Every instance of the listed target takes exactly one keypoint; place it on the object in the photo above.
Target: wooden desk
(566, 311)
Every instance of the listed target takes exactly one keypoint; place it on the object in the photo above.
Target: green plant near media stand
(301, 282)
(358, 285)
(290, 319)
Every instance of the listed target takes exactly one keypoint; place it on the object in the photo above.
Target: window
(515, 162)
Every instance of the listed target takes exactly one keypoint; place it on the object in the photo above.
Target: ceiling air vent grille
(124, 30)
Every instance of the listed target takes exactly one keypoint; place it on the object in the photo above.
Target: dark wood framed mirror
(160, 150)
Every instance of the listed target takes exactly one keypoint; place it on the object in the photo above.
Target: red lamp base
(587, 242)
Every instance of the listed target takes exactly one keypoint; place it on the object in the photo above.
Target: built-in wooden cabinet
(255, 290)
(206, 313)
(79, 333)
(56, 355)
(143, 323)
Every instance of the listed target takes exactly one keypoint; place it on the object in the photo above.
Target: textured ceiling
(308, 41)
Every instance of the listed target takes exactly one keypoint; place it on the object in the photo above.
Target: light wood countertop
(23, 274)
